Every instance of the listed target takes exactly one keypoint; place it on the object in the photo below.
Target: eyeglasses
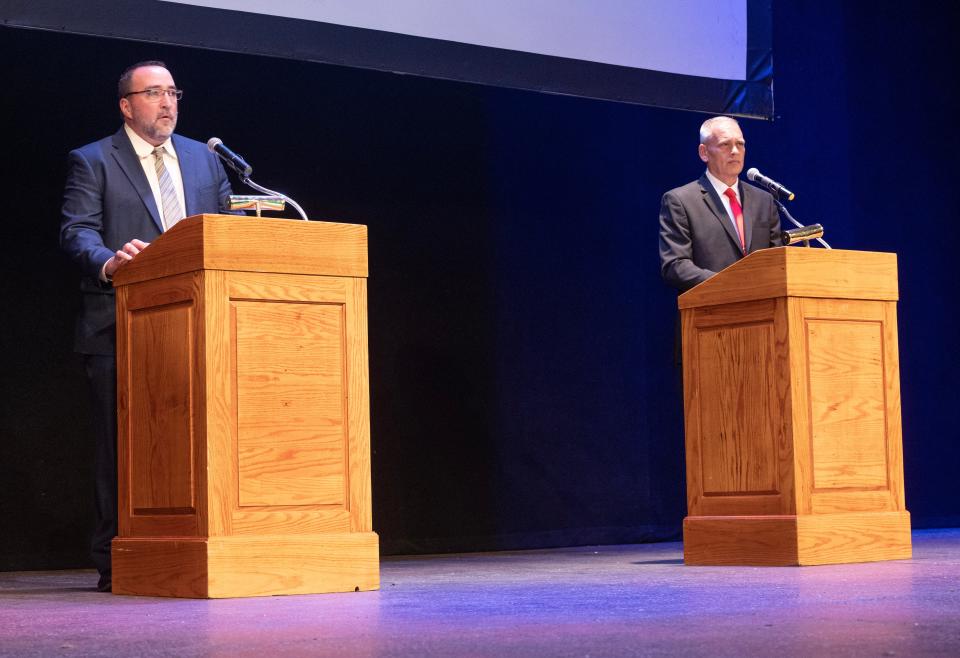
(154, 94)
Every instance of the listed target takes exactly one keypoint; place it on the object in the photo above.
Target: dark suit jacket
(108, 202)
(697, 237)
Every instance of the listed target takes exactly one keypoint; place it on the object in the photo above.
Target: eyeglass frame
(154, 94)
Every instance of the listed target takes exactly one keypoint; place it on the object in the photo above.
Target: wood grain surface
(792, 411)
(244, 412)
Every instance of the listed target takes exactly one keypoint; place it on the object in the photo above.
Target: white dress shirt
(721, 189)
(144, 151)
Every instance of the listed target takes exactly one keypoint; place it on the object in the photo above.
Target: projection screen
(704, 55)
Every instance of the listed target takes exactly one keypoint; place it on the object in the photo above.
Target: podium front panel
(290, 421)
(848, 420)
(738, 457)
(158, 389)
(291, 435)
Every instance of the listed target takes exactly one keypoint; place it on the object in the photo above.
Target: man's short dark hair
(123, 86)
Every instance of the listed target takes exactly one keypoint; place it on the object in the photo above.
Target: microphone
(775, 188)
(216, 145)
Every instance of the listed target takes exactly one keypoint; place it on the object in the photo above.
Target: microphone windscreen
(752, 172)
(214, 142)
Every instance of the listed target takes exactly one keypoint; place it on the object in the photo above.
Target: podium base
(796, 540)
(240, 566)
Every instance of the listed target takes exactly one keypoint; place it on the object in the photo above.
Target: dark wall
(522, 386)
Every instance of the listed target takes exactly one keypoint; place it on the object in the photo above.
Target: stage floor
(635, 600)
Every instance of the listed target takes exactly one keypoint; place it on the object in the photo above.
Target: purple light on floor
(586, 601)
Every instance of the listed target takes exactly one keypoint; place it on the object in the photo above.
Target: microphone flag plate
(802, 234)
(257, 202)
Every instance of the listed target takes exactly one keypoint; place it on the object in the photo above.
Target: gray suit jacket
(697, 238)
(108, 202)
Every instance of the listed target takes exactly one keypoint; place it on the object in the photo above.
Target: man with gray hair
(715, 221)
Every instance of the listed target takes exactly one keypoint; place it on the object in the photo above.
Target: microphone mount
(259, 188)
(802, 233)
(244, 170)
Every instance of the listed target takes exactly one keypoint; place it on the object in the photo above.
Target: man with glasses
(715, 221)
(121, 193)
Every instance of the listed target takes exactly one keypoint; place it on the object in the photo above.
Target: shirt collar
(721, 187)
(143, 148)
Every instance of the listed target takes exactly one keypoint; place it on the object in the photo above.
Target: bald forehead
(719, 127)
(151, 76)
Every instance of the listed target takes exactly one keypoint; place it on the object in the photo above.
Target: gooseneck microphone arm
(239, 165)
(786, 212)
(260, 188)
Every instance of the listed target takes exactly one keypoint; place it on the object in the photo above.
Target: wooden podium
(792, 411)
(243, 410)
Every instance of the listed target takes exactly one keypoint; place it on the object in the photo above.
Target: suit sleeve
(224, 191)
(82, 217)
(676, 246)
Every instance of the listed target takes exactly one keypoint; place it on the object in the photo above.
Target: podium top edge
(252, 244)
(216, 217)
(800, 272)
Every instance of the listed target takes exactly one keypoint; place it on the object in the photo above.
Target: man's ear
(125, 108)
(703, 153)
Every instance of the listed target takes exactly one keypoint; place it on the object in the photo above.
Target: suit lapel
(129, 163)
(715, 205)
(188, 174)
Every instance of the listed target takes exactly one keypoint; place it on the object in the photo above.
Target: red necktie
(737, 214)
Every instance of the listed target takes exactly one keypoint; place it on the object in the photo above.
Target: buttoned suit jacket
(698, 238)
(107, 203)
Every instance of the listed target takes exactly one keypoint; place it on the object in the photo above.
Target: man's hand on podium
(122, 257)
